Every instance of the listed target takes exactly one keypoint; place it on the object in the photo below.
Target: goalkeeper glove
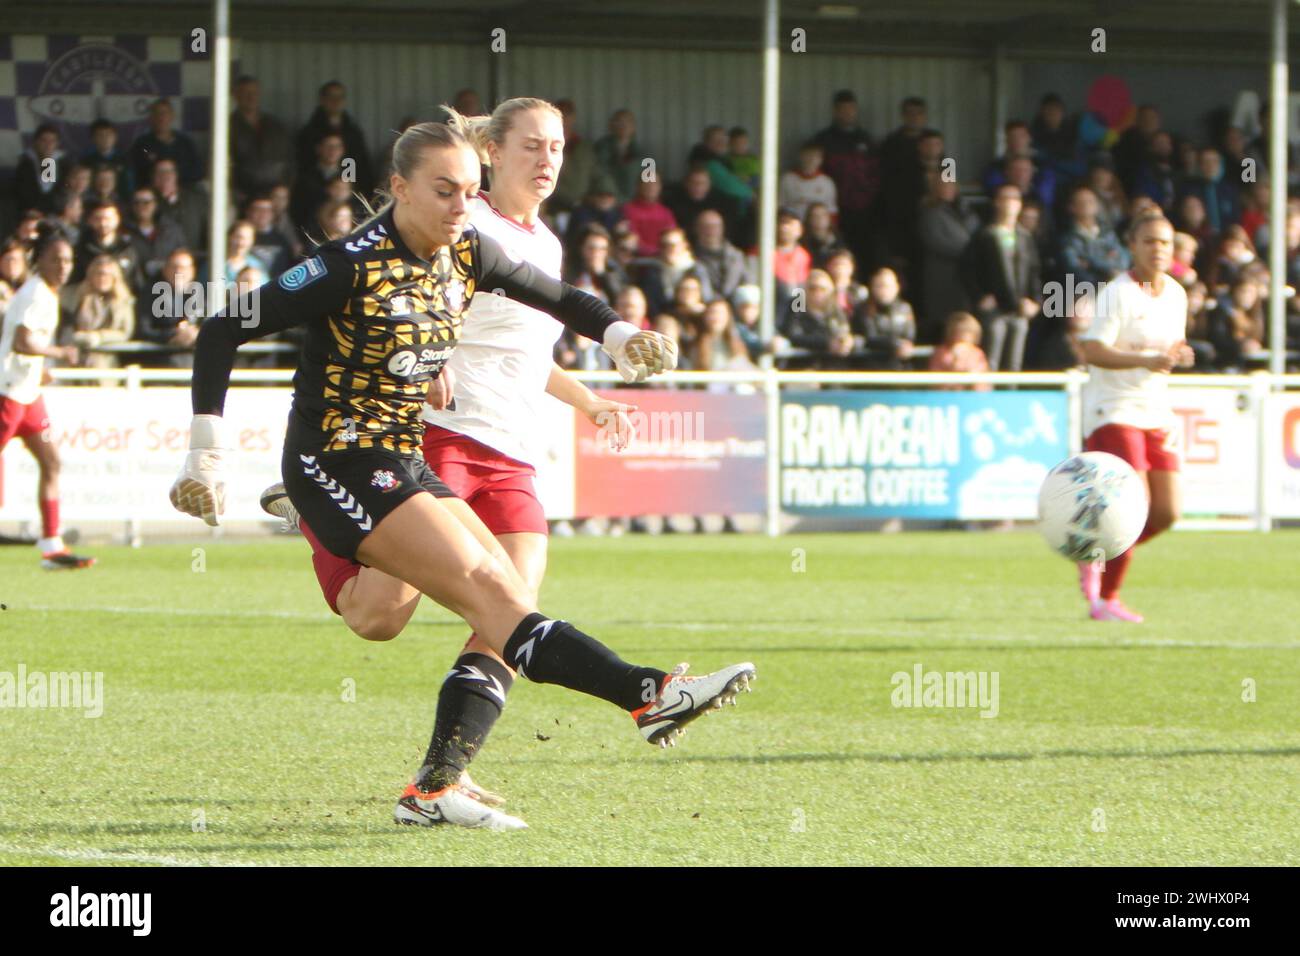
(638, 353)
(200, 489)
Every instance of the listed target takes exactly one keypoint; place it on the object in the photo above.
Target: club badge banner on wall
(696, 452)
(921, 455)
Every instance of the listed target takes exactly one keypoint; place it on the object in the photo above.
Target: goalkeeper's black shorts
(343, 495)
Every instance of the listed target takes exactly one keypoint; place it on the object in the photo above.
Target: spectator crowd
(890, 253)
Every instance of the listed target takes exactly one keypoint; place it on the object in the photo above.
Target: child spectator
(745, 310)
(743, 163)
(820, 237)
(791, 262)
(884, 325)
(712, 153)
(103, 187)
(104, 151)
(310, 190)
(960, 350)
(849, 292)
(331, 118)
(806, 184)
(1183, 267)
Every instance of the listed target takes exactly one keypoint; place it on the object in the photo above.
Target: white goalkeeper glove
(638, 353)
(200, 489)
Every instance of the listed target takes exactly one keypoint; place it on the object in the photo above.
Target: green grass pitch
(226, 737)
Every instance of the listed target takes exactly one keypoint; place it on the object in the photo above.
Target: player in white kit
(481, 438)
(27, 332)
(1138, 335)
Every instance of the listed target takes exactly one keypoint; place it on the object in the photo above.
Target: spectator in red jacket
(648, 217)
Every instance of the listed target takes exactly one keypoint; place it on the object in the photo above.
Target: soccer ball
(1092, 506)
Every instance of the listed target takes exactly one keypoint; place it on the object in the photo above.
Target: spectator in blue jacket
(1090, 249)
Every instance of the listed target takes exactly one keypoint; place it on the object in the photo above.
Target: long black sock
(556, 652)
(471, 699)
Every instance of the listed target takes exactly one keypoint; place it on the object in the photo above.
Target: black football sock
(471, 699)
(556, 652)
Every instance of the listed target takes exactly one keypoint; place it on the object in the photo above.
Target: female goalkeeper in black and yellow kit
(383, 309)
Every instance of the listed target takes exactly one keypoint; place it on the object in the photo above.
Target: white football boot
(275, 501)
(482, 793)
(683, 698)
(455, 805)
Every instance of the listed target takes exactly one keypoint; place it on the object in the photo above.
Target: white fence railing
(1238, 438)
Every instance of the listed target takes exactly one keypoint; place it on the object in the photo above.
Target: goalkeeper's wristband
(208, 432)
(616, 336)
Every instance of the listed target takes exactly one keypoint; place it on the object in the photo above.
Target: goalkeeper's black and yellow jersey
(381, 322)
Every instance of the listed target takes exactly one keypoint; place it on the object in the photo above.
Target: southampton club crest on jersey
(453, 292)
(383, 479)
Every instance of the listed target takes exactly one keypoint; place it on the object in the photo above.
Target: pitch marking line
(106, 856)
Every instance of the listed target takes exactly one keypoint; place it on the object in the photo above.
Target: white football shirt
(506, 349)
(34, 307)
(1131, 318)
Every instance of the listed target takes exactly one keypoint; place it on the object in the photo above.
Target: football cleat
(1112, 610)
(64, 560)
(683, 698)
(455, 805)
(481, 793)
(275, 501)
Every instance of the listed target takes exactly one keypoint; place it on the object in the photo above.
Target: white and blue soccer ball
(1092, 506)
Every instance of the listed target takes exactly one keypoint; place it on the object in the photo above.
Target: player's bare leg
(1164, 492)
(423, 542)
(55, 555)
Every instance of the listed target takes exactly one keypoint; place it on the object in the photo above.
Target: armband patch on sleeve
(303, 274)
